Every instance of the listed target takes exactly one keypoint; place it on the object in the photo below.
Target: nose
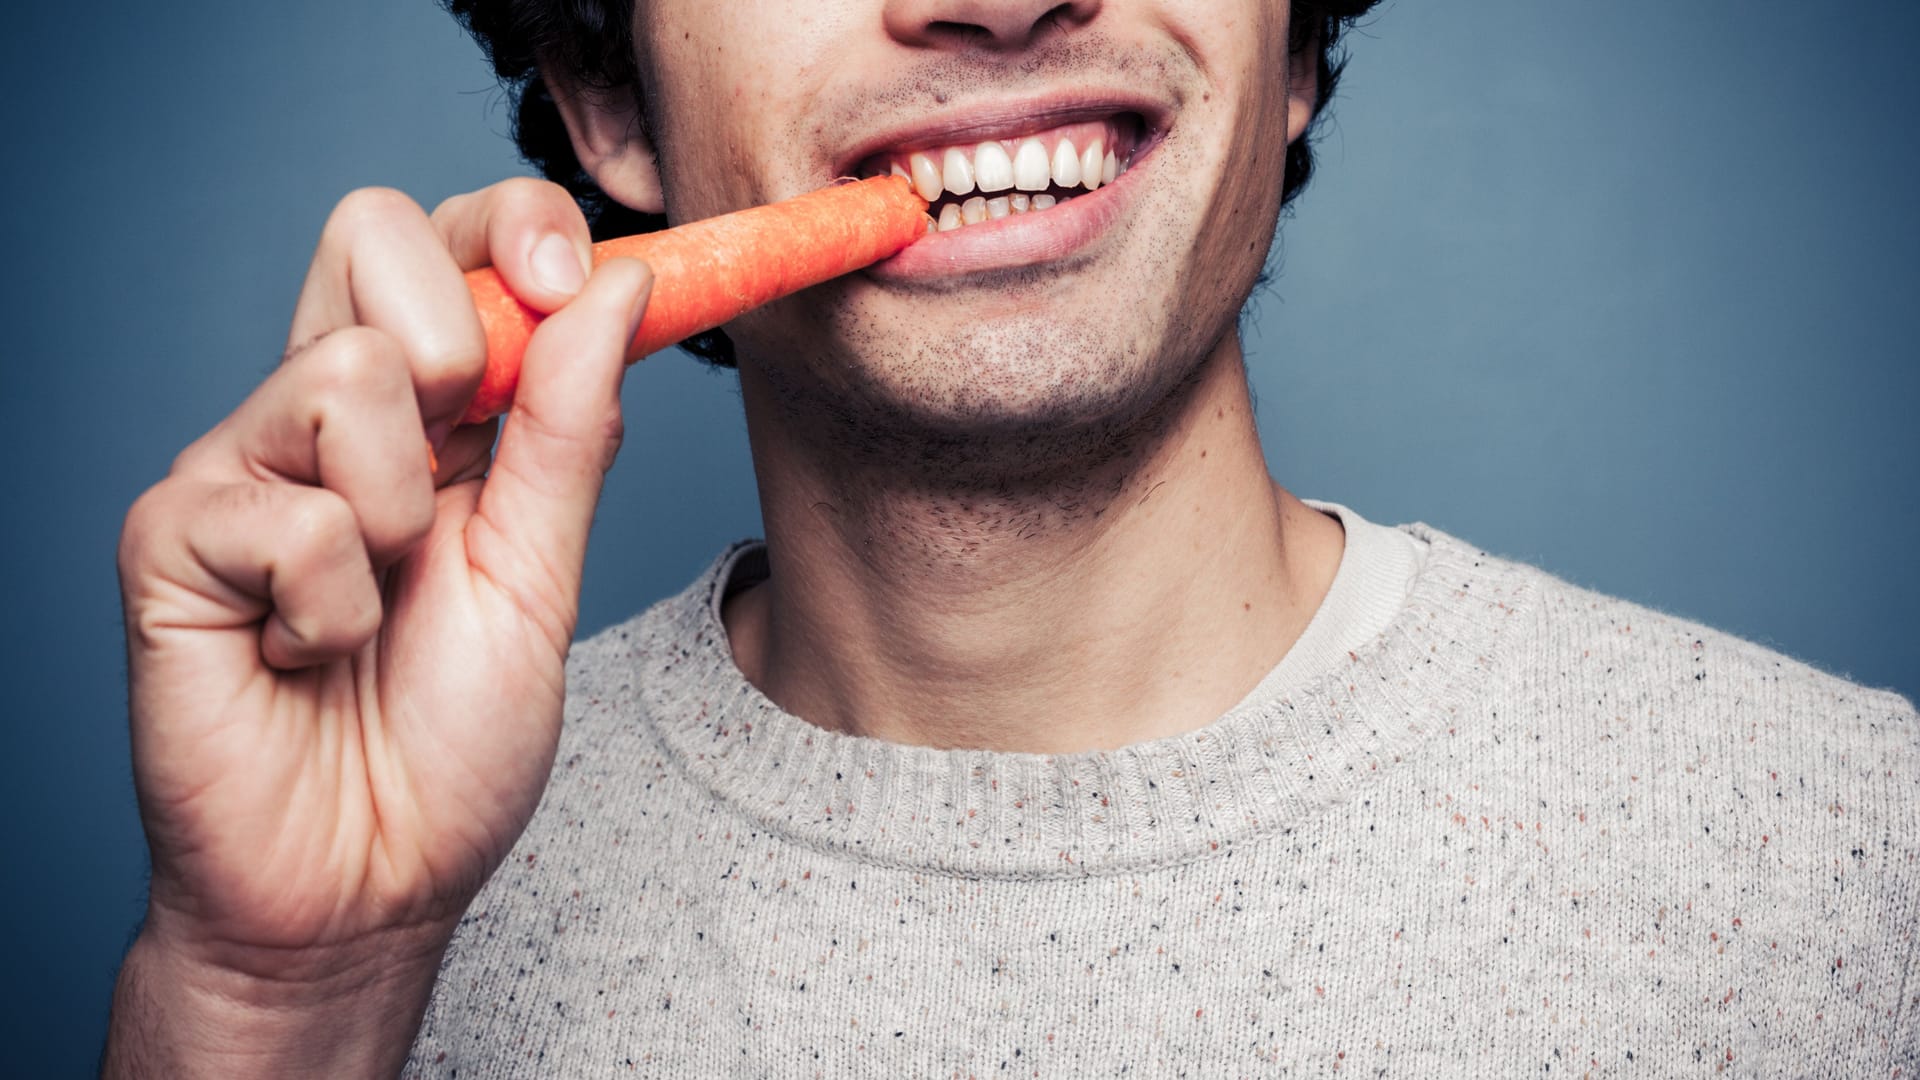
(999, 25)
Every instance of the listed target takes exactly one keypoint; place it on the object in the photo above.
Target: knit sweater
(1526, 829)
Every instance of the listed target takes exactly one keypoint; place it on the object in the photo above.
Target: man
(1044, 734)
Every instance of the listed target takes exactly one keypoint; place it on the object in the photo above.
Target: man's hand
(346, 669)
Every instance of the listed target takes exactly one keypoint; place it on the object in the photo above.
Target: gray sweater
(1527, 830)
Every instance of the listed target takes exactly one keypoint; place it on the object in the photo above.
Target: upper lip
(1003, 119)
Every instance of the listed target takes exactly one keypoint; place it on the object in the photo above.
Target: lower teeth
(977, 209)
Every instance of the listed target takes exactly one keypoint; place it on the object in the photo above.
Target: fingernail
(437, 433)
(556, 265)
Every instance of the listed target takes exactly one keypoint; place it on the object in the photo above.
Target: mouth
(975, 182)
(1013, 187)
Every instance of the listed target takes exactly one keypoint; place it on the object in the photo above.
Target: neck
(1137, 599)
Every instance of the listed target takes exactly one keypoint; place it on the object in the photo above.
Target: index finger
(531, 231)
(381, 264)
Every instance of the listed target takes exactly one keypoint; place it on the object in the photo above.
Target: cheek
(1243, 210)
(707, 99)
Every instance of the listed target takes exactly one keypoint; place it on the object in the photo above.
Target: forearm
(172, 1017)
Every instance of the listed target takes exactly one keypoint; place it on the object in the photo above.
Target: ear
(609, 139)
(1303, 87)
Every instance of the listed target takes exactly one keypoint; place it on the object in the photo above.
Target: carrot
(707, 272)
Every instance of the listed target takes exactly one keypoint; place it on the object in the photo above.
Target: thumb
(559, 441)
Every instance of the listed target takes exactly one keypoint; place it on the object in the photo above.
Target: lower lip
(1029, 239)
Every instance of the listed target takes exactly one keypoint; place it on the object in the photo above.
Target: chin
(990, 404)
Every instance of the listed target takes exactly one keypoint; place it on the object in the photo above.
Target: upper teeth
(958, 170)
(989, 169)
(1031, 169)
(1066, 164)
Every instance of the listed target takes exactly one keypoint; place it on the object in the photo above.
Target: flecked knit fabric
(1528, 830)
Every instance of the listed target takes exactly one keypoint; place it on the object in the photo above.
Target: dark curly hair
(593, 40)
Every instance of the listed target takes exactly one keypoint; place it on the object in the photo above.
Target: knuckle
(190, 460)
(146, 521)
(203, 454)
(368, 208)
(320, 525)
(450, 352)
(340, 627)
(362, 618)
(422, 509)
(356, 361)
(305, 629)
(529, 192)
(401, 523)
(453, 206)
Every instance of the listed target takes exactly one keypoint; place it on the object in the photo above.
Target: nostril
(1054, 19)
(959, 33)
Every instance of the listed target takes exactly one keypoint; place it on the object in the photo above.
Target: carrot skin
(710, 271)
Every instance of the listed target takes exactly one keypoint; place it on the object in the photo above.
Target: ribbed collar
(1376, 574)
(1266, 766)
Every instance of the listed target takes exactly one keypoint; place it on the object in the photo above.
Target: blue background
(1626, 290)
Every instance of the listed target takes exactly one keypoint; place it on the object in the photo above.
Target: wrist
(351, 1011)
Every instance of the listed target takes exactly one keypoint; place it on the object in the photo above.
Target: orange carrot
(707, 272)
